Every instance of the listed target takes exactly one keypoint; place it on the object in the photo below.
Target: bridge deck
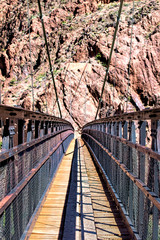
(48, 222)
(108, 221)
(91, 213)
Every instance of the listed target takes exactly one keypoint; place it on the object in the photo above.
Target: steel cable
(130, 56)
(30, 54)
(115, 66)
(110, 56)
(79, 82)
(49, 59)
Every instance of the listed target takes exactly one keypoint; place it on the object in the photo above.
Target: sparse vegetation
(100, 7)
(126, 4)
(69, 18)
(98, 56)
(0, 145)
(12, 82)
(40, 76)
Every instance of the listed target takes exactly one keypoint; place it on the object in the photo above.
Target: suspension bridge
(100, 184)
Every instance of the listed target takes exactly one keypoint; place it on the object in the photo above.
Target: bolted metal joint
(11, 131)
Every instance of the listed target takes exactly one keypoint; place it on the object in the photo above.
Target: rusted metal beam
(145, 114)
(11, 152)
(137, 146)
(18, 112)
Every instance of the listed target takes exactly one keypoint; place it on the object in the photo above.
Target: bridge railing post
(33, 129)
(133, 167)
(52, 127)
(21, 131)
(5, 136)
(141, 175)
(49, 127)
(25, 129)
(120, 181)
(154, 170)
(42, 129)
(29, 131)
(37, 129)
(112, 149)
(125, 154)
(45, 127)
(11, 136)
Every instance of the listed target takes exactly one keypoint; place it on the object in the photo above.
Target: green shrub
(12, 82)
(40, 76)
(69, 18)
(98, 56)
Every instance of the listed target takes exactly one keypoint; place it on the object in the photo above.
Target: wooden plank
(108, 222)
(48, 223)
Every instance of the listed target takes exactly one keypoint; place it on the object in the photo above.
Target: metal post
(141, 167)
(125, 161)
(154, 128)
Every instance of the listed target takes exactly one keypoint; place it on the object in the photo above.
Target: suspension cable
(130, 56)
(30, 55)
(45, 78)
(110, 56)
(115, 66)
(79, 81)
(49, 59)
(113, 85)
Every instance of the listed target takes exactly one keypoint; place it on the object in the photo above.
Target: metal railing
(27, 169)
(127, 147)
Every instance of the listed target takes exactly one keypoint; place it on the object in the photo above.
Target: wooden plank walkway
(79, 220)
(108, 221)
(91, 213)
(48, 222)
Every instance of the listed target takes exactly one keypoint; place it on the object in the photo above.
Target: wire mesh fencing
(21, 191)
(134, 176)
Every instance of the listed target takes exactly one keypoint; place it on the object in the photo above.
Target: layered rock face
(80, 35)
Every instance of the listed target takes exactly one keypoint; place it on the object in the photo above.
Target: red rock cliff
(80, 36)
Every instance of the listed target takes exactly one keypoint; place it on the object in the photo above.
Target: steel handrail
(6, 201)
(146, 114)
(139, 147)
(148, 193)
(24, 146)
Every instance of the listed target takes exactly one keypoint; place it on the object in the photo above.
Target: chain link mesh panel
(16, 216)
(143, 214)
(14, 169)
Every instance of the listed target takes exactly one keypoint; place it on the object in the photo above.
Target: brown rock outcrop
(80, 36)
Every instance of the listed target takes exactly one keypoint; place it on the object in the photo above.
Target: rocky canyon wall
(80, 35)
